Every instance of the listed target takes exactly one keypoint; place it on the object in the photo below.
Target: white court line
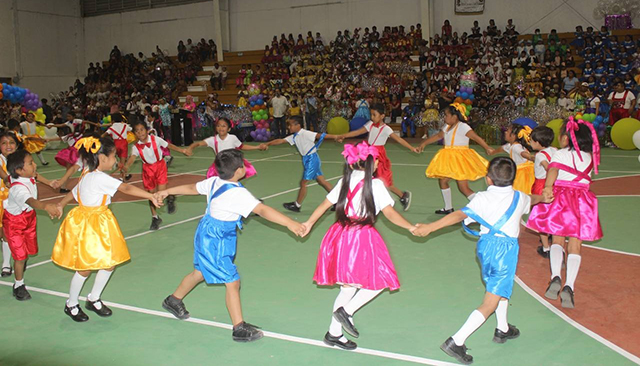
(618, 176)
(611, 250)
(616, 195)
(280, 336)
(631, 357)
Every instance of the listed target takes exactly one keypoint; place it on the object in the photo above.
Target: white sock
(546, 249)
(555, 259)
(39, 155)
(501, 315)
(98, 286)
(297, 204)
(19, 283)
(475, 320)
(345, 295)
(573, 265)
(74, 291)
(446, 195)
(6, 254)
(154, 216)
(470, 197)
(360, 299)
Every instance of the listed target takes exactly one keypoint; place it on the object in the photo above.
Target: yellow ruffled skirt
(457, 162)
(524, 178)
(4, 194)
(90, 239)
(33, 144)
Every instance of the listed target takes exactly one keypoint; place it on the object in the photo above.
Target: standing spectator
(216, 77)
(280, 106)
(622, 103)
(311, 112)
(48, 112)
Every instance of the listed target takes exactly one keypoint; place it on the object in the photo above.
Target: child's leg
(188, 283)
(39, 155)
(544, 240)
(324, 183)
(232, 299)
(446, 193)
(18, 271)
(6, 251)
(302, 193)
(343, 298)
(477, 318)
(556, 256)
(463, 186)
(74, 291)
(573, 261)
(362, 297)
(98, 286)
(396, 191)
(154, 213)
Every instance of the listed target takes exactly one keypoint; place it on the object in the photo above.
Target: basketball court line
(280, 336)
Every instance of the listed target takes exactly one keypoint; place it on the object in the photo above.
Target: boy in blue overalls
(498, 210)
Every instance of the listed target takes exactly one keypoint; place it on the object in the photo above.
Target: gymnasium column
(217, 20)
(426, 18)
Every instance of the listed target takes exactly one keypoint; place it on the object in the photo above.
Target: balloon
(524, 121)
(457, 94)
(337, 126)
(357, 123)
(253, 134)
(636, 139)
(467, 102)
(464, 95)
(623, 132)
(1, 95)
(472, 97)
(555, 125)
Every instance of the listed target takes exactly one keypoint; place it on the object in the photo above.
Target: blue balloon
(472, 97)
(457, 94)
(252, 103)
(523, 121)
(260, 102)
(357, 123)
(464, 95)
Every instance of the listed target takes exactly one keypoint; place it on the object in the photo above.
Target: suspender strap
(315, 146)
(579, 175)
(453, 137)
(350, 195)
(495, 228)
(546, 154)
(225, 187)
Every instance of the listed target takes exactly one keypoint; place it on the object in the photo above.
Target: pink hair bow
(572, 126)
(355, 153)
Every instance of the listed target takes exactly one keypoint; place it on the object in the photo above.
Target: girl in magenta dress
(574, 210)
(353, 254)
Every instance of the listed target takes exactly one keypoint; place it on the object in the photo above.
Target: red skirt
(538, 186)
(67, 157)
(20, 231)
(384, 167)
(154, 175)
(122, 148)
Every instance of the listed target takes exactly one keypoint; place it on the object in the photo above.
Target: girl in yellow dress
(90, 238)
(518, 137)
(33, 143)
(456, 160)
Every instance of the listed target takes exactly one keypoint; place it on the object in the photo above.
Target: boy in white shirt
(541, 139)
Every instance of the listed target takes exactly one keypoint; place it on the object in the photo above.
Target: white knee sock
(446, 195)
(39, 155)
(6, 254)
(470, 197)
(360, 299)
(345, 295)
(555, 259)
(74, 291)
(573, 265)
(501, 315)
(475, 320)
(98, 286)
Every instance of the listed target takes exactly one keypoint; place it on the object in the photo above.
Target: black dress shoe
(458, 352)
(442, 211)
(566, 298)
(79, 317)
(291, 206)
(155, 223)
(346, 320)
(542, 253)
(554, 288)
(21, 293)
(245, 332)
(104, 311)
(6, 272)
(332, 341)
(501, 337)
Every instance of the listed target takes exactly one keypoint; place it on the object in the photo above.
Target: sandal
(6, 272)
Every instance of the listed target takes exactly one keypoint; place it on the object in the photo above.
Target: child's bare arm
(404, 143)
(51, 209)
(43, 180)
(276, 142)
(355, 133)
(316, 215)
(451, 219)
(198, 144)
(474, 136)
(173, 147)
(185, 190)
(496, 151)
(129, 162)
(527, 155)
(132, 190)
(396, 218)
(278, 218)
(430, 140)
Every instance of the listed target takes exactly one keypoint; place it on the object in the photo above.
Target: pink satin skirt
(67, 157)
(573, 213)
(355, 256)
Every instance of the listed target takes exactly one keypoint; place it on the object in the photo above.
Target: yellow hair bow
(461, 108)
(525, 133)
(90, 144)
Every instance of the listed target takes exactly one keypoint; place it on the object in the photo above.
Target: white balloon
(636, 139)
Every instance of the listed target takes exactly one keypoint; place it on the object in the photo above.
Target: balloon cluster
(464, 95)
(16, 94)
(598, 122)
(616, 7)
(235, 115)
(260, 114)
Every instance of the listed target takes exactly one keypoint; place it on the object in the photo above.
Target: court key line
(280, 336)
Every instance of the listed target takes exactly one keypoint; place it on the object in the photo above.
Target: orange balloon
(467, 102)
(1, 87)
(1, 95)
(458, 100)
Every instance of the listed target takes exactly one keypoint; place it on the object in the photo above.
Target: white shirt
(28, 128)
(460, 130)
(93, 186)
(491, 204)
(230, 205)
(279, 106)
(304, 141)
(149, 157)
(539, 171)
(381, 196)
(593, 101)
(119, 129)
(74, 124)
(627, 102)
(515, 151)
(567, 157)
(71, 139)
(230, 142)
(16, 203)
(378, 136)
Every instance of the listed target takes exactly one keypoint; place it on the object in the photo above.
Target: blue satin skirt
(311, 164)
(214, 250)
(499, 258)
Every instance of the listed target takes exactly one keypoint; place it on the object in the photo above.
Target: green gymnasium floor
(440, 281)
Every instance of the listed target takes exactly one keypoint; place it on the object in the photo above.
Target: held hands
(339, 138)
(307, 228)
(55, 184)
(421, 230)
(296, 228)
(263, 147)
(547, 195)
(160, 196)
(187, 152)
(491, 151)
(417, 150)
(54, 211)
(156, 200)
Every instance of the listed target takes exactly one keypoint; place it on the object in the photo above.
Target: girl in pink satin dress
(574, 210)
(353, 254)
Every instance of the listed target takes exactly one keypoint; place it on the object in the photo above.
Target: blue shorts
(214, 250)
(311, 164)
(499, 258)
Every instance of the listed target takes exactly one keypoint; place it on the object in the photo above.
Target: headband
(525, 133)
(355, 153)
(572, 126)
(90, 144)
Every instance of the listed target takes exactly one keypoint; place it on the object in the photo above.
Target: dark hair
(227, 162)
(141, 123)
(226, 120)
(367, 205)
(10, 135)
(13, 123)
(295, 119)
(107, 146)
(15, 161)
(455, 112)
(378, 107)
(502, 171)
(542, 135)
(515, 129)
(583, 137)
(116, 117)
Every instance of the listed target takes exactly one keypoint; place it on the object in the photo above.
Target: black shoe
(346, 320)
(501, 337)
(330, 340)
(291, 206)
(554, 288)
(245, 332)
(171, 204)
(458, 352)
(542, 253)
(79, 317)
(104, 311)
(169, 161)
(6, 272)
(176, 307)
(127, 177)
(566, 298)
(406, 200)
(155, 223)
(21, 293)
(442, 211)
(45, 163)
(64, 190)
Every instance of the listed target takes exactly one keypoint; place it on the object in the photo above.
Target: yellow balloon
(555, 125)
(622, 133)
(337, 126)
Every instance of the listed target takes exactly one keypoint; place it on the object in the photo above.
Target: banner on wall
(469, 6)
